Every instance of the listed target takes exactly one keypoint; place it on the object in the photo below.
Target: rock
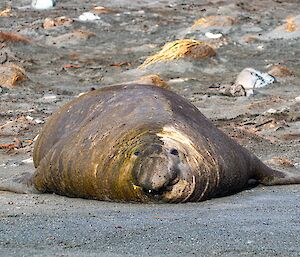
(153, 79)
(250, 39)
(228, 90)
(280, 71)
(250, 79)
(214, 21)
(6, 12)
(101, 10)
(88, 16)
(59, 21)
(11, 74)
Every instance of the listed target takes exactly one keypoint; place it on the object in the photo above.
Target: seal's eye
(137, 153)
(174, 152)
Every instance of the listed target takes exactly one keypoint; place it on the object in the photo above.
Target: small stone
(29, 118)
(214, 21)
(297, 98)
(11, 75)
(201, 51)
(212, 35)
(39, 121)
(153, 79)
(6, 12)
(271, 110)
(88, 16)
(250, 38)
(280, 71)
(59, 21)
(101, 10)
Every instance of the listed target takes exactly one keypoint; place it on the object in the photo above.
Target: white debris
(297, 98)
(212, 35)
(260, 47)
(88, 16)
(250, 79)
(39, 121)
(178, 80)
(49, 97)
(271, 111)
(27, 161)
(29, 118)
(43, 4)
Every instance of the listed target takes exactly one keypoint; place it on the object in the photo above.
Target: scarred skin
(141, 143)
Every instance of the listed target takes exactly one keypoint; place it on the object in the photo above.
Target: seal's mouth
(161, 191)
(158, 192)
(154, 193)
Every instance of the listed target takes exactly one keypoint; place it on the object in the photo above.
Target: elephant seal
(140, 144)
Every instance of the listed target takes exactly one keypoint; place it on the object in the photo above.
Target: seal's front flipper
(22, 184)
(268, 176)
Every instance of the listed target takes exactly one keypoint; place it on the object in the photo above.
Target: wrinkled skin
(139, 143)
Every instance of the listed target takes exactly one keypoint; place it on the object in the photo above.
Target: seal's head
(162, 169)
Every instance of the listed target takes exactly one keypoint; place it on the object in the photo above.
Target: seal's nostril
(173, 151)
(137, 153)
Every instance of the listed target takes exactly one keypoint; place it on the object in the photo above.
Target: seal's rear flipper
(268, 176)
(22, 184)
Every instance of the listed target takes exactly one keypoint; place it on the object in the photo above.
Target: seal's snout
(155, 177)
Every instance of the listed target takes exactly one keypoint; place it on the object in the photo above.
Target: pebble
(29, 118)
(215, 21)
(39, 121)
(101, 10)
(280, 71)
(153, 79)
(273, 111)
(297, 98)
(11, 75)
(212, 35)
(88, 16)
(59, 21)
